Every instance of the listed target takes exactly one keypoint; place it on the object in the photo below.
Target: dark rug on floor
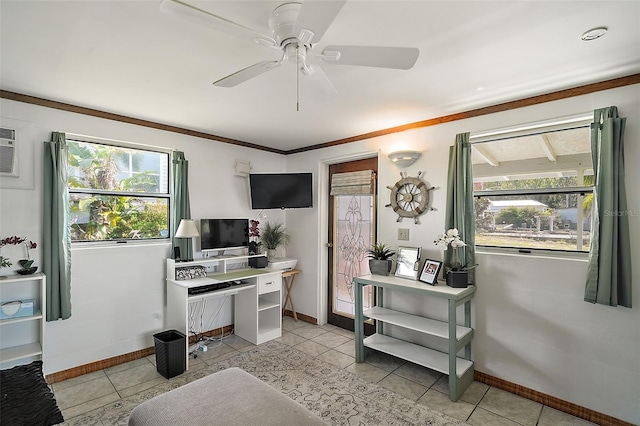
(25, 397)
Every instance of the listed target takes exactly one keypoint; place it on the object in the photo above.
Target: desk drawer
(269, 283)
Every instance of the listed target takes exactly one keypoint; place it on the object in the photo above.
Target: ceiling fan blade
(371, 56)
(317, 16)
(202, 17)
(246, 74)
(318, 81)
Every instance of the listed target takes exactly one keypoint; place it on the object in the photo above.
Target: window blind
(352, 183)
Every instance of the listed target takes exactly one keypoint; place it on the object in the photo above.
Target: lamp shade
(187, 229)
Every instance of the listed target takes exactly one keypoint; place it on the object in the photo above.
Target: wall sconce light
(186, 229)
(404, 158)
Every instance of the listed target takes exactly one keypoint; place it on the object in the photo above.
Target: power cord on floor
(202, 342)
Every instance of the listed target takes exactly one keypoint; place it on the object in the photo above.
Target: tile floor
(479, 405)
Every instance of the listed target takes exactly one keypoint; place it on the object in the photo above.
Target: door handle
(329, 245)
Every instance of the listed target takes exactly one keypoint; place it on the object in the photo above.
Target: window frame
(168, 195)
(532, 129)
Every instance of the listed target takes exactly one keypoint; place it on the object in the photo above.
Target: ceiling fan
(297, 28)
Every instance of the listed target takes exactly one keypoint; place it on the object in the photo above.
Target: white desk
(257, 303)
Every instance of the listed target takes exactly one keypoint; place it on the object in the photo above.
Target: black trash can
(171, 353)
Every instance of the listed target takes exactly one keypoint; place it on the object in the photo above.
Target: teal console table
(460, 370)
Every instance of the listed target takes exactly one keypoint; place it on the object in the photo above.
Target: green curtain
(181, 207)
(609, 270)
(57, 239)
(459, 212)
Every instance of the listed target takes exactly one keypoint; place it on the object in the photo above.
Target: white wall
(532, 326)
(118, 292)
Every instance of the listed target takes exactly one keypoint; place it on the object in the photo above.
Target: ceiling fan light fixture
(296, 28)
(404, 159)
(593, 33)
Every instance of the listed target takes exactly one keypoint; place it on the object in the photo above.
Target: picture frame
(430, 271)
(408, 262)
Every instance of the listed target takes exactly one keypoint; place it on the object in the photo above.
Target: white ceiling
(127, 57)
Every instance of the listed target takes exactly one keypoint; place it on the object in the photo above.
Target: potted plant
(27, 264)
(14, 241)
(4, 263)
(456, 273)
(380, 259)
(254, 237)
(274, 236)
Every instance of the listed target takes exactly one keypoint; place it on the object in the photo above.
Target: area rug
(337, 396)
(25, 397)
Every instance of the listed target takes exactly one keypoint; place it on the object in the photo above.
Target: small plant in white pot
(274, 236)
(380, 259)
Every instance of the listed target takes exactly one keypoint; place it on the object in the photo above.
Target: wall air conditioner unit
(8, 152)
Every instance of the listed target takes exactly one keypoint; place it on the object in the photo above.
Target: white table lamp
(186, 229)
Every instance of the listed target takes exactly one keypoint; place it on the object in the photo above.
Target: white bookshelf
(21, 337)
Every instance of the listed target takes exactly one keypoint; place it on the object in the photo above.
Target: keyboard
(207, 288)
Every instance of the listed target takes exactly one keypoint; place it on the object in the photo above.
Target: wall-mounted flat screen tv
(222, 234)
(281, 190)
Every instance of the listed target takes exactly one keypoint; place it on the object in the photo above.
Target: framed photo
(408, 260)
(430, 271)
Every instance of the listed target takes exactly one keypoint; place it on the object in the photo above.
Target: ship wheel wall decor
(409, 197)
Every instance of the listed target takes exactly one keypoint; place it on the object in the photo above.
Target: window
(533, 187)
(117, 193)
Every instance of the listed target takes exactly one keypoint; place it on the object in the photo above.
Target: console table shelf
(425, 325)
(460, 370)
(417, 354)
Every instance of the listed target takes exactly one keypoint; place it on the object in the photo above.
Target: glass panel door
(352, 231)
(354, 226)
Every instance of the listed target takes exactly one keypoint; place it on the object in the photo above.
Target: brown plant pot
(379, 267)
(458, 279)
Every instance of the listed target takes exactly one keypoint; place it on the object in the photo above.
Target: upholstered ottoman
(228, 397)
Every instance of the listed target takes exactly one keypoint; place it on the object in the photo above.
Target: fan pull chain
(297, 78)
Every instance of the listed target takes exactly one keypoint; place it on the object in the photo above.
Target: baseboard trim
(121, 359)
(97, 365)
(550, 401)
(227, 329)
(516, 389)
(301, 317)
